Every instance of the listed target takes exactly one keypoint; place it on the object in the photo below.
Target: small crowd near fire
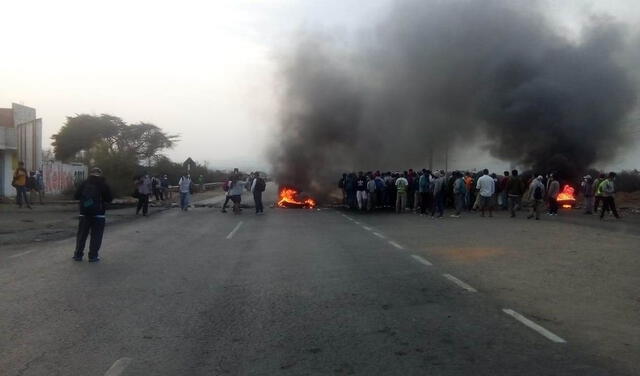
(429, 192)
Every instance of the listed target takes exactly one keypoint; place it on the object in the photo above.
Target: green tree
(87, 133)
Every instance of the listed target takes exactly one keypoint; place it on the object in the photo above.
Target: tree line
(123, 151)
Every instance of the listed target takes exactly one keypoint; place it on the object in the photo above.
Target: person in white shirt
(401, 193)
(185, 191)
(486, 188)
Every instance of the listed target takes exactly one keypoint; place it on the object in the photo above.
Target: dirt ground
(58, 217)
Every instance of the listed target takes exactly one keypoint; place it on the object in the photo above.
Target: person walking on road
(423, 188)
(93, 194)
(608, 189)
(227, 187)
(401, 193)
(19, 182)
(164, 186)
(514, 190)
(143, 187)
(553, 189)
(486, 187)
(587, 194)
(341, 184)
(361, 191)
(185, 186)
(459, 192)
(235, 193)
(438, 194)
(597, 193)
(536, 195)
(257, 187)
(371, 192)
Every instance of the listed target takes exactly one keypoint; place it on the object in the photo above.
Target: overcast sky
(203, 69)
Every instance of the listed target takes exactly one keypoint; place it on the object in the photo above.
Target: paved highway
(325, 292)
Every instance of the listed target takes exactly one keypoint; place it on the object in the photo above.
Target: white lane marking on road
(367, 228)
(21, 254)
(118, 367)
(422, 260)
(235, 229)
(357, 223)
(552, 337)
(379, 235)
(459, 282)
(347, 217)
(395, 244)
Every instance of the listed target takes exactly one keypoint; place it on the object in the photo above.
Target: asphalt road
(315, 292)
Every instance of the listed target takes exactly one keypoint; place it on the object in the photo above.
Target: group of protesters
(429, 192)
(234, 186)
(27, 183)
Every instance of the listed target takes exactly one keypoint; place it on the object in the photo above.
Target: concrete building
(20, 140)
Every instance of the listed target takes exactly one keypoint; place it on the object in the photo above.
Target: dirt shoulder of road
(58, 217)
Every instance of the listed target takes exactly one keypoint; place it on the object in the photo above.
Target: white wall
(6, 173)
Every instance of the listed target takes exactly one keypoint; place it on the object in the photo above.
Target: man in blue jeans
(92, 195)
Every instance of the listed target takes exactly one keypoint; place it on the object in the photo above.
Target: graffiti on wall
(60, 177)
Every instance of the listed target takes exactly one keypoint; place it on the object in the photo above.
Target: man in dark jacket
(92, 194)
(515, 189)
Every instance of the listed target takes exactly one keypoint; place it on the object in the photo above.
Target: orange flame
(288, 199)
(567, 197)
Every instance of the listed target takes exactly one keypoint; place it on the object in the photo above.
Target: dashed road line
(235, 229)
(357, 223)
(347, 217)
(367, 228)
(532, 325)
(459, 283)
(422, 260)
(118, 367)
(395, 244)
(379, 235)
(21, 254)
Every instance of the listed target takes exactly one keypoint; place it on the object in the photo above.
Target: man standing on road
(514, 191)
(19, 182)
(164, 186)
(401, 193)
(257, 187)
(459, 191)
(185, 187)
(438, 194)
(486, 188)
(227, 187)
(608, 190)
(423, 188)
(536, 195)
(361, 191)
(92, 195)
(597, 193)
(143, 186)
(371, 191)
(587, 193)
(235, 193)
(553, 189)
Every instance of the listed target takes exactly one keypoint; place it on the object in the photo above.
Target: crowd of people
(430, 192)
(94, 193)
(234, 186)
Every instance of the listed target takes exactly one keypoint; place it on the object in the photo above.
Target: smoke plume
(435, 75)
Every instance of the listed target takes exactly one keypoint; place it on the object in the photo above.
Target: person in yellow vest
(20, 183)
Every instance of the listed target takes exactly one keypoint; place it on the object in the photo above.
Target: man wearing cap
(92, 195)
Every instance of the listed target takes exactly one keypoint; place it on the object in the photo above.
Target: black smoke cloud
(452, 74)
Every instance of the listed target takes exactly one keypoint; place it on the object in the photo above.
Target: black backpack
(260, 185)
(537, 193)
(91, 200)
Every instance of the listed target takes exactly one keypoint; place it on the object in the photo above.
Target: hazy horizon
(207, 70)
